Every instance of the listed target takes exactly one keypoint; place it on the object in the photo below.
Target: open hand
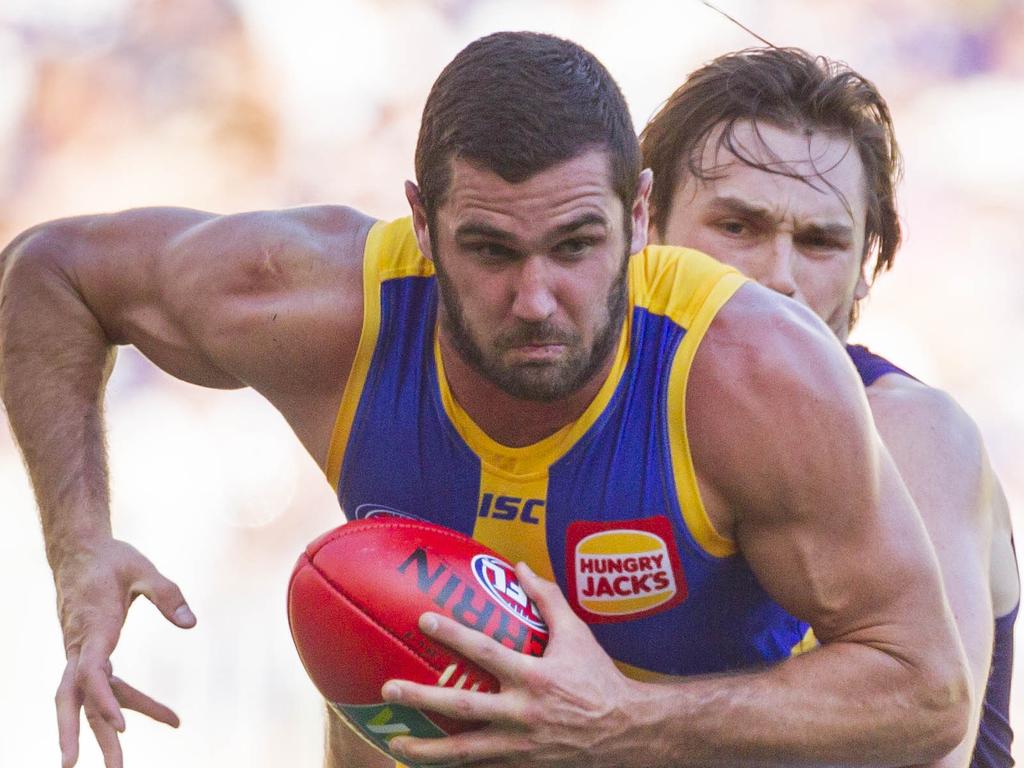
(95, 588)
(571, 707)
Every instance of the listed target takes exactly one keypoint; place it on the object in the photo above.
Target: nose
(777, 271)
(533, 300)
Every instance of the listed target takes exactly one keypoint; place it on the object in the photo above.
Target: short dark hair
(519, 103)
(793, 90)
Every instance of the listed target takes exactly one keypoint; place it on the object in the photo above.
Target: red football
(354, 601)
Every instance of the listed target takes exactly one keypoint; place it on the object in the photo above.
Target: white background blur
(236, 104)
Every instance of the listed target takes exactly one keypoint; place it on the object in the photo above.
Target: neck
(509, 420)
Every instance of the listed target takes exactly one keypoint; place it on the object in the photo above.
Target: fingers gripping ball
(354, 601)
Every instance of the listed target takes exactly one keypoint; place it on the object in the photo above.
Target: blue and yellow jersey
(608, 506)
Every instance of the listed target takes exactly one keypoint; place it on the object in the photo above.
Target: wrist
(660, 710)
(73, 547)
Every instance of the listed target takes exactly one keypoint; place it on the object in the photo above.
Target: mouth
(537, 352)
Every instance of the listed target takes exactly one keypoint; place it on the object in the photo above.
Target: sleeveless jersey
(992, 749)
(607, 507)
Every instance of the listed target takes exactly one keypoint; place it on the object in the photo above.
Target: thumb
(165, 595)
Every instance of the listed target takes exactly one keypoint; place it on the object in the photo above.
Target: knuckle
(486, 649)
(463, 706)
(95, 719)
(166, 592)
(81, 677)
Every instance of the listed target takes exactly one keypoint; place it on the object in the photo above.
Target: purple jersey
(992, 749)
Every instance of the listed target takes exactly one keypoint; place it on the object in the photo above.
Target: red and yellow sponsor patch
(623, 570)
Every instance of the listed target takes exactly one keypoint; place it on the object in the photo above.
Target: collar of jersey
(533, 459)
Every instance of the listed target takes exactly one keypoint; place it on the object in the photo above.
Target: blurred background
(230, 105)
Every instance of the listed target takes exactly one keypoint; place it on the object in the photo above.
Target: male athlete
(513, 362)
(784, 166)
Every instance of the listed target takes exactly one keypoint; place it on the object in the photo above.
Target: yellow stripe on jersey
(807, 643)
(512, 518)
(644, 675)
(516, 477)
(690, 291)
(390, 251)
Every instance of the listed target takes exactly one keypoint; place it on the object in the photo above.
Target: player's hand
(571, 707)
(95, 588)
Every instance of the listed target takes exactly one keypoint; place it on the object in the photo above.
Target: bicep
(849, 556)
(811, 497)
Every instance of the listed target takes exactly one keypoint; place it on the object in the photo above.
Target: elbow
(943, 706)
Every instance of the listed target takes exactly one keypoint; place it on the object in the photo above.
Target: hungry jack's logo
(624, 569)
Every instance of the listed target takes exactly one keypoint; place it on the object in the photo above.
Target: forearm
(54, 360)
(843, 704)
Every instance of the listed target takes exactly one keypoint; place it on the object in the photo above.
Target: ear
(641, 211)
(419, 218)
(862, 288)
(653, 236)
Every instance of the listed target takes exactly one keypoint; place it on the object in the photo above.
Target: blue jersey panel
(402, 455)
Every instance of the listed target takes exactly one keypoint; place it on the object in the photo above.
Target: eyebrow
(480, 229)
(735, 205)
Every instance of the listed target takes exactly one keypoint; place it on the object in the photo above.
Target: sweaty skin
(273, 300)
(805, 239)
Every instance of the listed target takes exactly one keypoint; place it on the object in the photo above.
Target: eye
(734, 227)
(822, 245)
(488, 251)
(574, 248)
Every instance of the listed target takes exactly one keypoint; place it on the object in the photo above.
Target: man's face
(532, 275)
(805, 240)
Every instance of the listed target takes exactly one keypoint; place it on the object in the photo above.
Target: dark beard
(540, 382)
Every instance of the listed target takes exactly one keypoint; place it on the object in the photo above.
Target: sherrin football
(354, 600)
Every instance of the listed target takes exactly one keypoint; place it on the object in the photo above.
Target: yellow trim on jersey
(391, 251)
(530, 461)
(516, 539)
(806, 643)
(645, 675)
(690, 291)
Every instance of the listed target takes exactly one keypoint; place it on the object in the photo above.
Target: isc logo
(509, 508)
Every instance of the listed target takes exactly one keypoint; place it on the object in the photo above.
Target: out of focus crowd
(229, 105)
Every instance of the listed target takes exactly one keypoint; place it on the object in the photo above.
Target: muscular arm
(270, 300)
(941, 458)
(793, 471)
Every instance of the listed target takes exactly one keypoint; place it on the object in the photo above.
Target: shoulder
(764, 343)
(941, 456)
(917, 420)
(773, 402)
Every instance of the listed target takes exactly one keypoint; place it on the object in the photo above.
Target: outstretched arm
(219, 301)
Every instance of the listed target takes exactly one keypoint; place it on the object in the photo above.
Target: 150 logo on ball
(623, 569)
